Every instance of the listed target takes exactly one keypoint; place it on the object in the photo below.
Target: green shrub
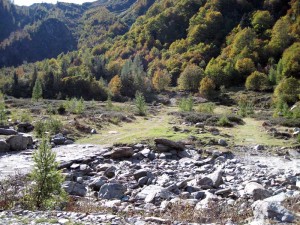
(298, 138)
(2, 113)
(224, 122)
(46, 192)
(186, 104)
(246, 108)
(61, 109)
(140, 104)
(51, 125)
(74, 105)
(257, 81)
(288, 90)
(206, 107)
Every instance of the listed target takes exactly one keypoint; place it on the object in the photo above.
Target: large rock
(59, 139)
(140, 173)
(74, 188)
(25, 127)
(4, 131)
(271, 210)
(152, 191)
(256, 191)
(3, 146)
(19, 142)
(120, 153)
(164, 145)
(111, 191)
(97, 183)
(214, 179)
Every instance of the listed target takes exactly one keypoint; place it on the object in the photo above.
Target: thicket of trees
(198, 46)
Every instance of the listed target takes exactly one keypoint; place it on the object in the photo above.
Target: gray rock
(259, 147)
(111, 191)
(168, 145)
(110, 172)
(214, 179)
(120, 153)
(68, 142)
(223, 192)
(58, 139)
(222, 142)
(85, 169)
(145, 152)
(140, 173)
(74, 188)
(3, 146)
(256, 191)
(19, 142)
(271, 210)
(142, 181)
(158, 191)
(199, 125)
(97, 182)
(25, 127)
(198, 195)
(4, 131)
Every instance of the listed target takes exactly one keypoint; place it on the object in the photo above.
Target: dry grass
(215, 212)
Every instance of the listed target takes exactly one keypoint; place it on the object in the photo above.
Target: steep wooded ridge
(148, 45)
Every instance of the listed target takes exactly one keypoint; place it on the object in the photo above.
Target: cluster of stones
(140, 179)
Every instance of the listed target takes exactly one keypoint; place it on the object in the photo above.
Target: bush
(61, 109)
(288, 90)
(140, 104)
(161, 80)
(206, 108)
(74, 105)
(224, 122)
(51, 125)
(46, 192)
(2, 113)
(246, 108)
(189, 79)
(257, 82)
(207, 87)
(186, 104)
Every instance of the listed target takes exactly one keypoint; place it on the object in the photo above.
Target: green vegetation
(74, 105)
(46, 192)
(257, 81)
(51, 126)
(148, 47)
(140, 104)
(224, 122)
(206, 108)
(246, 108)
(37, 92)
(186, 104)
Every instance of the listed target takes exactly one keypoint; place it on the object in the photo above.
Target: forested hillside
(121, 47)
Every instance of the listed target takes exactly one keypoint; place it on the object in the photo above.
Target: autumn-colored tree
(245, 66)
(189, 79)
(161, 80)
(291, 61)
(115, 85)
(288, 90)
(257, 81)
(261, 20)
(207, 87)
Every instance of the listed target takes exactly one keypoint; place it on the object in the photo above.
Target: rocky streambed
(170, 183)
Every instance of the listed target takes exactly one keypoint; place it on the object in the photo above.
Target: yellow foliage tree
(207, 87)
(161, 80)
(115, 85)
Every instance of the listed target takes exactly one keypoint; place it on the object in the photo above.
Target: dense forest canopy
(120, 47)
